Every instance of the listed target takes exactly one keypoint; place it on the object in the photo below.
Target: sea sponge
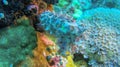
(45, 54)
(17, 42)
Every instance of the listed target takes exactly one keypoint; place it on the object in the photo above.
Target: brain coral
(100, 42)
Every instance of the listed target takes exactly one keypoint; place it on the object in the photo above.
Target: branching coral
(72, 8)
(62, 27)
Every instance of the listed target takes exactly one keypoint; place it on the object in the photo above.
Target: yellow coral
(70, 62)
(40, 53)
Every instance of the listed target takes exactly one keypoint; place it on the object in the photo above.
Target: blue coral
(62, 27)
(2, 15)
(100, 42)
(5, 2)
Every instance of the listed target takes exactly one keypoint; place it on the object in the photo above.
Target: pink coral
(32, 6)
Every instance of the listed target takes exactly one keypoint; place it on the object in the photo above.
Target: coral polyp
(59, 33)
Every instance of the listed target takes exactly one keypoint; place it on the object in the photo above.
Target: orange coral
(42, 5)
(50, 7)
(46, 40)
(40, 52)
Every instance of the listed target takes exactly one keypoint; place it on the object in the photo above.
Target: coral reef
(100, 42)
(106, 3)
(59, 33)
(64, 29)
(69, 7)
(46, 55)
(16, 42)
(16, 9)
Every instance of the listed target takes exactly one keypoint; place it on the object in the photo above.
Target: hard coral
(106, 3)
(100, 42)
(72, 8)
(44, 55)
(66, 30)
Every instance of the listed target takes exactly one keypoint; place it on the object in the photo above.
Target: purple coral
(31, 7)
